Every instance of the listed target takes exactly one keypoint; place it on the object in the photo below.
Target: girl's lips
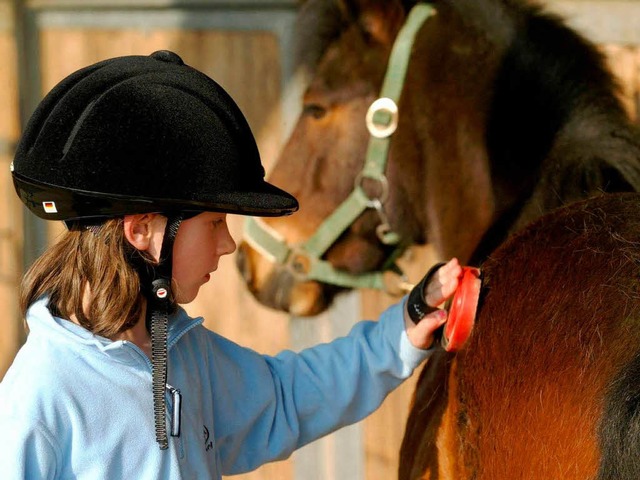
(207, 277)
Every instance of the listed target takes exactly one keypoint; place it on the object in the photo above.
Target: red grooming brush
(462, 310)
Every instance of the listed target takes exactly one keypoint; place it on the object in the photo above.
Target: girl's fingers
(421, 335)
(444, 283)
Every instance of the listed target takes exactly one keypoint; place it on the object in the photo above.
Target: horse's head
(345, 49)
(347, 45)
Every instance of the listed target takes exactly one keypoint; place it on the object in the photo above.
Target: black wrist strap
(417, 307)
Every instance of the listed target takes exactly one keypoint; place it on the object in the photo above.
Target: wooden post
(10, 207)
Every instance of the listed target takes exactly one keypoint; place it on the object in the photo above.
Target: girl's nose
(227, 243)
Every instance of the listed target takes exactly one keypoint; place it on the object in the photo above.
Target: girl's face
(199, 244)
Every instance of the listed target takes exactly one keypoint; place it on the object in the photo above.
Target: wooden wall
(245, 49)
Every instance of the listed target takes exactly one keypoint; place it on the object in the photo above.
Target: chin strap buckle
(161, 289)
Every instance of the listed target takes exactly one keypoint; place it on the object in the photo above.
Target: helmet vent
(78, 124)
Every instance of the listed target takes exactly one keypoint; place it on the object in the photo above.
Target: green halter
(305, 259)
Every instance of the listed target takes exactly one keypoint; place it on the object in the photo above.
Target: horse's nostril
(242, 262)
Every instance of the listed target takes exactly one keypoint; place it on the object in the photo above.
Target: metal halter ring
(299, 264)
(385, 105)
(384, 188)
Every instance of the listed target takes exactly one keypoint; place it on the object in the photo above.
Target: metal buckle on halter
(383, 191)
(382, 117)
(384, 231)
(299, 263)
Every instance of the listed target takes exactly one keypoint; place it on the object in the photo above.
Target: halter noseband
(305, 259)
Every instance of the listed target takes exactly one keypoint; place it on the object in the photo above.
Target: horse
(547, 387)
(505, 114)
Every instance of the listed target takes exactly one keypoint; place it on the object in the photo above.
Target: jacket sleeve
(267, 407)
(29, 453)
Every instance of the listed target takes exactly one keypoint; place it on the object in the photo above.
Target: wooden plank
(9, 122)
(624, 61)
(339, 455)
(6, 16)
(11, 324)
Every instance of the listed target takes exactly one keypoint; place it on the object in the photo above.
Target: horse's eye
(313, 110)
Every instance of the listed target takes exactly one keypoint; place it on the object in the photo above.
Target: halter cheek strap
(159, 303)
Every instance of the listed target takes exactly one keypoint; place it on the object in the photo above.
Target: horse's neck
(448, 84)
(505, 126)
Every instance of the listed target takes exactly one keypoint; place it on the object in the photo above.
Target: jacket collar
(42, 323)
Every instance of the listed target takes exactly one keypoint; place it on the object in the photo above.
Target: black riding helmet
(141, 134)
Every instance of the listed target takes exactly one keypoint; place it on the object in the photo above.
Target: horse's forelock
(321, 22)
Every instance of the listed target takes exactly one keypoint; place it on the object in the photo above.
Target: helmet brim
(54, 203)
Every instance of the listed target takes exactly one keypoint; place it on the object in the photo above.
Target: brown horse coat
(548, 386)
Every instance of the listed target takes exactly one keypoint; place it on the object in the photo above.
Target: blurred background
(247, 47)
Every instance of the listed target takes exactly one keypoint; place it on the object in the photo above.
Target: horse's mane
(557, 130)
(551, 73)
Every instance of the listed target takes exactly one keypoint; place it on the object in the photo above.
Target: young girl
(142, 158)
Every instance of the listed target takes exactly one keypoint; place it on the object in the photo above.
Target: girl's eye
(217, 223)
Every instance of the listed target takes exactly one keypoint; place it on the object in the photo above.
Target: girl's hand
(441, 286)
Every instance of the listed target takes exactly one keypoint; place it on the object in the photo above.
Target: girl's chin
(185, 300)
(184, 297)
(188, 295)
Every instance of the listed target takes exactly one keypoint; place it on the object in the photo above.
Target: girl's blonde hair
(96, 260)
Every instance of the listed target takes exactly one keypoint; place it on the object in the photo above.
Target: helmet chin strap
(160, 301)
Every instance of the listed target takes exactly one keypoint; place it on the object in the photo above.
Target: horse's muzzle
(275, 286)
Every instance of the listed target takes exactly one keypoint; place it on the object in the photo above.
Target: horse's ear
(380, 19)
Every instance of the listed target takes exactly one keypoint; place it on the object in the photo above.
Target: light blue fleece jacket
(75, 405)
